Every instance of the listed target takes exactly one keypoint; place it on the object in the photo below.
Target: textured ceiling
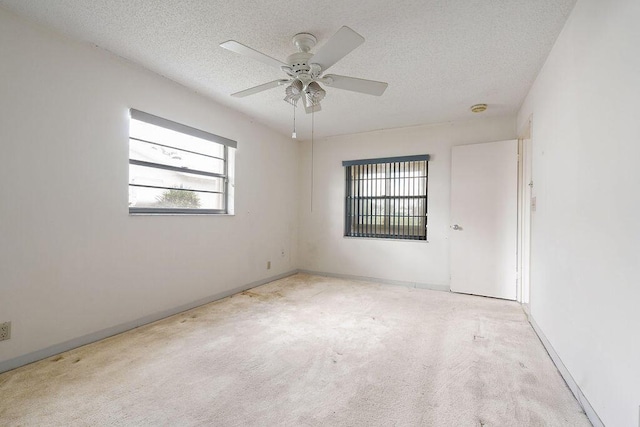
(438, 56)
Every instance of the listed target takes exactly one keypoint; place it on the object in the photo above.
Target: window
(177, 169)
(387, 198)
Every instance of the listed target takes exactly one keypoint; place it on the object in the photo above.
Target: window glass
(176, 172)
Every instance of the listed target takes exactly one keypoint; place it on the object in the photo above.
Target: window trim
(414, 158)
(349, 197)
(191, 131)
(179, 127)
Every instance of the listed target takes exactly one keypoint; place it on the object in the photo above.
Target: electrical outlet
(5, 331)
(268, 265)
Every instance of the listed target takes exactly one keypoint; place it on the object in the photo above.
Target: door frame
(525, 197)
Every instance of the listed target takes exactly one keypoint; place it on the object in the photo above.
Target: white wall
(72, 261)
(585, 289)
(322, 245)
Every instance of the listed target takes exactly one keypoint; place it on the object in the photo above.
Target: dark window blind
(387, 198)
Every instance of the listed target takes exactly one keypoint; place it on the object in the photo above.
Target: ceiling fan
(305, 69)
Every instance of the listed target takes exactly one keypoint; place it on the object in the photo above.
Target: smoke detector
(478, 108)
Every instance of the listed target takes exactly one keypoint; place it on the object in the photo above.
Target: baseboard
(377, 280)
(105, 333)
(571, 383)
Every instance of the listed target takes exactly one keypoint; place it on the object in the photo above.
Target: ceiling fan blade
(337, 47)
(260, 88)
(370, 87)
(241, 49)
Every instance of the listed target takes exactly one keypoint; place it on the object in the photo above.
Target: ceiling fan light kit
(305, 69)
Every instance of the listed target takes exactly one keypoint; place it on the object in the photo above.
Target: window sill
(178, 214)
(385, 239)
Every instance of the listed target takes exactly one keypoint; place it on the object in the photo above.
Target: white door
(484, 202)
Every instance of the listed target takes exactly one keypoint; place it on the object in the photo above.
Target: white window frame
(228, 145)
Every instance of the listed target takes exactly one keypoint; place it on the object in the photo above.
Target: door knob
(456, 227)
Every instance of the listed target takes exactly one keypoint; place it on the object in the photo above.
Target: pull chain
(312, 129)
(293, 135)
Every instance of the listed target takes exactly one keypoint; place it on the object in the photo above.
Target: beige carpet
(306, 351)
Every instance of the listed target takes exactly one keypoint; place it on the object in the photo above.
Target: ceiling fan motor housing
(299, 62)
